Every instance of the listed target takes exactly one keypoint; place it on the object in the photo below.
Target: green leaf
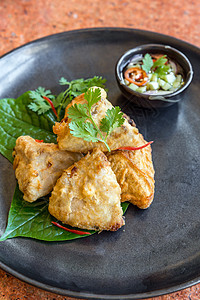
(147, 63)
(40, 92)
(162, 70)
(34, 221)
(160, 61)
(75, 88)
(85, 131)
(96, 81)
(40, 108)
(113, 119)
(63, 81)
(39, 104)
(92, 96)
(78, 112)
(125, 206)
(17, 119)
(58, 100)
(79, 84)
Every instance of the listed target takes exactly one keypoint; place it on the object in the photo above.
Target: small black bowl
(147, 100)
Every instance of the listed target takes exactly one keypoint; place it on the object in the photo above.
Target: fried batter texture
(135, 175)
(123, 136)
(87, 195)
(38, 166)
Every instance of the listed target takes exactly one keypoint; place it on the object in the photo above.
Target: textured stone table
(22, 21)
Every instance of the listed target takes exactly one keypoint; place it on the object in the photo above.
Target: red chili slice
(39, 141)
(136, 76)
(135, 148)
(70, 230)
(52, 106)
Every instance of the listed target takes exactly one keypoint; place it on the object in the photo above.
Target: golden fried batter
(123, 136)
(87, 195)
(38, 166)
(135, 175)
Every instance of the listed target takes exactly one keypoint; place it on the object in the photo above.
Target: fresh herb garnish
(39, 104)
(79, 86)
(113, 119)
(44, 100)
(160, 61)
(82, 124)
(147, 63)
(159, 66)
(162, 70)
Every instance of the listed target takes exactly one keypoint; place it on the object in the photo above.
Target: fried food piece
(135, 175)
(38, 166)
(87, 195)
(123, 136)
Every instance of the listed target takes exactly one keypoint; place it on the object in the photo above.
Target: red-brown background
(22, 21)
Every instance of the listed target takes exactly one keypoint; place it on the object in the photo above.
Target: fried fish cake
(38, 166)
(135, 175)
(87, 195)
(123, 136)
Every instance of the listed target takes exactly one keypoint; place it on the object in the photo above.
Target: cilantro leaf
(39, 104)
(160, 61)
(92, 96)
(75, 88)
(63, 81)
(79, 86)
(88, 130)
(113, 119)
(85, 131)
(57, 100)
(40, 92)
(162, 70)
(82, 85)
(39, 107)
(147, 63)
(78, 112)
(96, 81)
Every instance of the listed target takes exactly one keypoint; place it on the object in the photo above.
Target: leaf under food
(33, 220)
(17, 119)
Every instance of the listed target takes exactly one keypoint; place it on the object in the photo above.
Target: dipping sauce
(153, 74)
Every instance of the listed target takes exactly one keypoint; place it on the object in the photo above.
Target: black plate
(157, 251)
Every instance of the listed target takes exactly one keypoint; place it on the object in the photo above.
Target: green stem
(65, 95)
(106, 145)
(107, 135)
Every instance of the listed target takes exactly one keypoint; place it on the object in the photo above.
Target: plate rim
(56, 290)
(66, 292)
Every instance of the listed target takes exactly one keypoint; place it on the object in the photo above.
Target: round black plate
(157, 251)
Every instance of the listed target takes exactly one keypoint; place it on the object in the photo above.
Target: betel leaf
(124, 206)
(33, 220)
(17, 119)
